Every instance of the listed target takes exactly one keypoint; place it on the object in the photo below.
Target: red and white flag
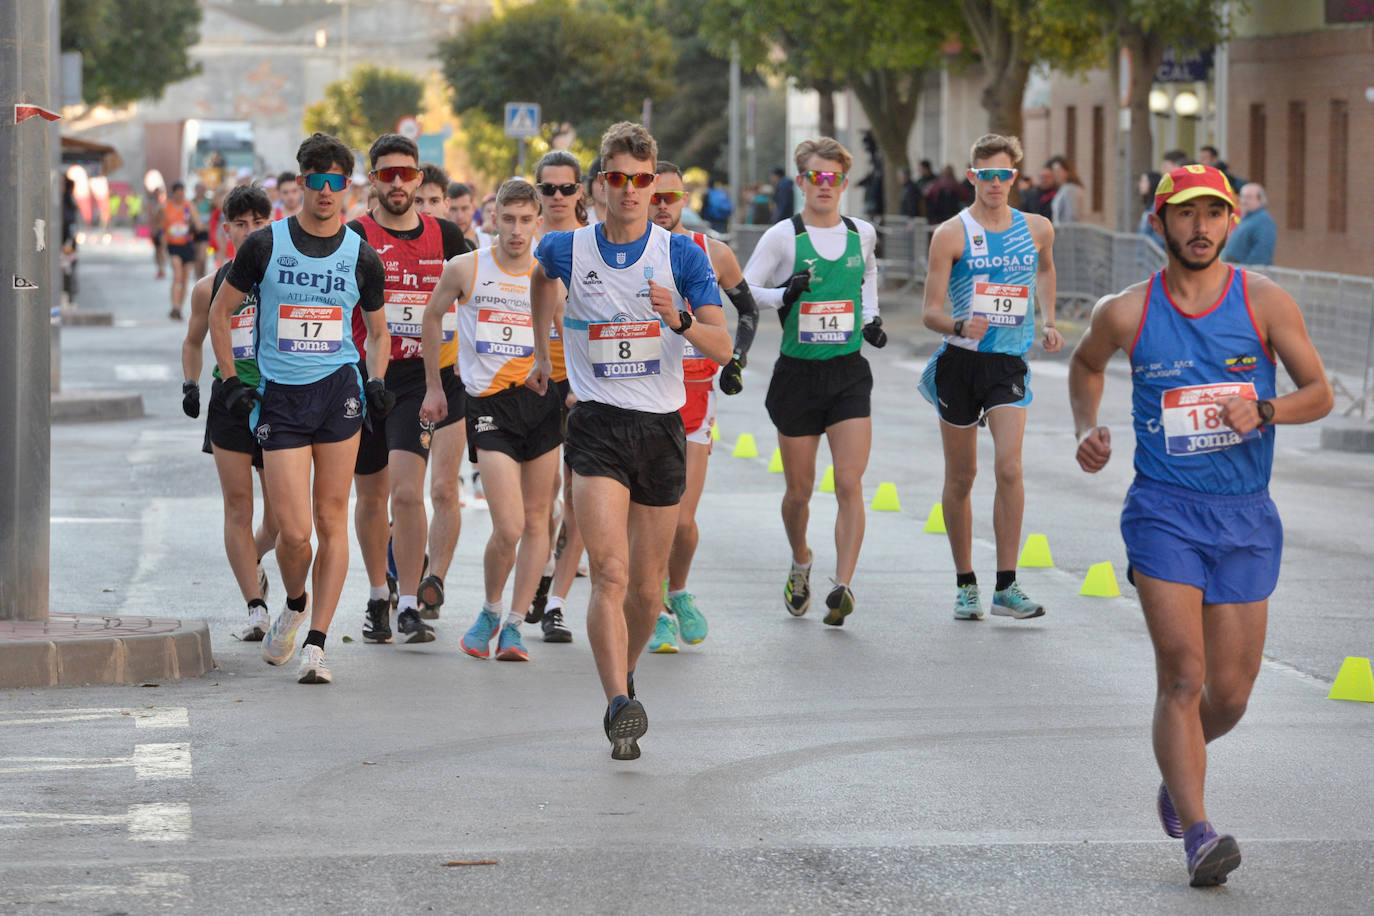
(22, 112)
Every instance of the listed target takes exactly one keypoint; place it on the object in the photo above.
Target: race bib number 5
(503, 333)
(624, 349)
(309, 328)
(404, 311)
(1004, 305)
(825, 322)
(1192, 417)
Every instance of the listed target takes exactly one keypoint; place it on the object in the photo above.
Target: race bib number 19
(309, 328)
(825, 322)
(1192, 417)
(624, 349)
(1004, 305)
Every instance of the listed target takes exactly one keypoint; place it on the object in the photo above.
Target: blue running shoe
(1012, 602)
(968, 605)
(1168, 817)
(1211, 862)
(664, 640)
(510, 648)
(477, 640)
(691, 623)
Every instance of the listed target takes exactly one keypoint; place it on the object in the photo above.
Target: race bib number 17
(309, 328)
(1192, 417)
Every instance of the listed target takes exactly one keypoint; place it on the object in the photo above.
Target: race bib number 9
(502, 333)
(309, 328)
(404, 311)
(1192, 417)
(825, 322)
(624, 349)
(1004, 305)
(241, 332)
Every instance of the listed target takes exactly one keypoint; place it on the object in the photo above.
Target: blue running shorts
(1227, 546)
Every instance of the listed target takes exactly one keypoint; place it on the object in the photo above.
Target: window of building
(1071, 133)
(1337, 165)
(1258, 126)
(1099, 153)
(1297, 163)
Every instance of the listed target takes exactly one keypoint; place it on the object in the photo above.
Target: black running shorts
(406, 379)
(646, 452)
(808, 396)
(329, 410)
(225, 431)
(518, 422)
(969, 384)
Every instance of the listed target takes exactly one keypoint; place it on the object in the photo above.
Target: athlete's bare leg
(235, 471)
(446, 459)
(409, 525)
(799, 473)
(850, 442)
(961, 466)
(686, 537)
(371, 524)
(1008, 427)
(517, 496)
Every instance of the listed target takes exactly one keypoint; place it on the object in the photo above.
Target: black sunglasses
(548, 189)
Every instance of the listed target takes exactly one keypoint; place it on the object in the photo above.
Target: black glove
(730, 380)
(239, 398)
(874, 333)
(798, 283)
(190, 399)
(379, 400)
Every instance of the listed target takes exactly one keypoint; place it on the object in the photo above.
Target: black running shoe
(393, 591)
(839, 604)
(554, 628)
(409, 623)
(541, 598)
(625, 729)
(377, 621)
(430, 594)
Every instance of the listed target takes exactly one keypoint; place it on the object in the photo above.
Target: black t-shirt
(255, 256)
(455, 243)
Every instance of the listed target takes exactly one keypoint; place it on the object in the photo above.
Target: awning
(88, 151)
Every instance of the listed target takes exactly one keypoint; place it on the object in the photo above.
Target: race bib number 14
(825, 322)
(1192, 417)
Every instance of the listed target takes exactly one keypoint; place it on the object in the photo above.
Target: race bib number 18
(825, 322)
(309, 328)
(624, 349)
(1192, 417)
(1004, 305)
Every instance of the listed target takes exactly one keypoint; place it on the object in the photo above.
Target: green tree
(130, 49)
(584, 65)
(883, 52)
(367, 104)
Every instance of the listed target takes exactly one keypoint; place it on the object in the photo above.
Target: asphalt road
(903, 764)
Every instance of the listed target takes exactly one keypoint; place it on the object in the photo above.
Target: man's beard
(394, 209)
(1176, 249)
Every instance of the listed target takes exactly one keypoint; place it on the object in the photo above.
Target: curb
(90, 406)
(1348, 436)
(78, 318)
(70, 650)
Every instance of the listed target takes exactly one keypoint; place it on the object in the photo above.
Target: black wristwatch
(685, 321)
(959, 328)
(1266, 412)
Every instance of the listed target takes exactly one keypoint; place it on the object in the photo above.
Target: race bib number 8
(624, 349)
(825, 322)
(309, 328)
(1004, 305)
(404, 311)
(502, 333)
(1192, 417)
(241, 332)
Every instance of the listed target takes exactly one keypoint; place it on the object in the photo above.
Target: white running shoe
(262, 582)
(313, 669)
(281, 639)
(258, 623)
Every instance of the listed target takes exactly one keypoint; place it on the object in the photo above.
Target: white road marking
(160, 823)
(142, 717)
(150, 761)
(150, 884)
(78, 520)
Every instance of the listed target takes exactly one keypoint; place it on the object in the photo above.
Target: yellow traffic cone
(885, 500)
(828, 479)
(1354, 682)
(1036, 553)
(715, 432)
(935, 521)
(745, 447)
(775, 463)
(1100, 582)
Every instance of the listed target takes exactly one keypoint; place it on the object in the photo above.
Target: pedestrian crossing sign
(522, 119)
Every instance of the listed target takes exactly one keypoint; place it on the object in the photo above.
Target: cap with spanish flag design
(1189, 182)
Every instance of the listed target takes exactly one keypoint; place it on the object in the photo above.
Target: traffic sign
(408, 127)
(522, 119)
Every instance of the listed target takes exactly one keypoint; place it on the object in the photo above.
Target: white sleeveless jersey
(616, 349)
(495, 329)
